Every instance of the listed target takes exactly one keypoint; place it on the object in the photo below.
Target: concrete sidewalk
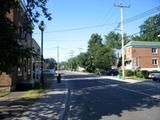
(50, 106)
(126, 80)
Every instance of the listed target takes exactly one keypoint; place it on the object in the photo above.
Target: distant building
(142, 55)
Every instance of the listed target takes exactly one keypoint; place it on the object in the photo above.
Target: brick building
(25, 73)
(142, 55)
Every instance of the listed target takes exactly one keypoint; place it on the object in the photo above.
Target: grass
(3, 93)
(135, 78)
(32, 94)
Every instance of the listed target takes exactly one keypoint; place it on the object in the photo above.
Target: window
(154, 61)
(154, 50)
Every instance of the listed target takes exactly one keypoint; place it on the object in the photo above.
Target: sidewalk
(126, 80)
(50, 106)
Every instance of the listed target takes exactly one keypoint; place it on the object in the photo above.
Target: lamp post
(42, 27)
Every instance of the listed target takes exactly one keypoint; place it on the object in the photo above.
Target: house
(143, 55)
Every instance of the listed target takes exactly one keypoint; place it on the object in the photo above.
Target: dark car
(112, 72)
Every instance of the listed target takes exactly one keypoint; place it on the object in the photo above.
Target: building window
(154, 61)
(154, 50)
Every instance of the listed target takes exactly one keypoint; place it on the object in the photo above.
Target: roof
(143, 44)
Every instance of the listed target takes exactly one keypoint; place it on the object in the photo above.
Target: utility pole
(57, 59)
(58, 67)
(121, 5)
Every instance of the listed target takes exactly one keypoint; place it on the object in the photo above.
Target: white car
(154, 75)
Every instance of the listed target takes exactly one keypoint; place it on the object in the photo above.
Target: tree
(95, 42)
(149, 30)
(82, 59)
(72, 63)
(9, 46)
(113, 40)
(51, 63)
(104, 58)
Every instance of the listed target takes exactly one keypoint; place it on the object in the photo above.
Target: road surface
(95, 98)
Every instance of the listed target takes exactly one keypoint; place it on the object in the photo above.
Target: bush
(142, 74)
(139, 74)
(120, 72)
(145, 73)
(100, 72)
(129, 72)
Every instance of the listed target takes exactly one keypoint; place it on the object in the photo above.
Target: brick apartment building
(142, 55)
(24, 74)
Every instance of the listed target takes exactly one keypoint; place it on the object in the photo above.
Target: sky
(74, 21)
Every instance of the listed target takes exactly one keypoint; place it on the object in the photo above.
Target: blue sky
(71, 14)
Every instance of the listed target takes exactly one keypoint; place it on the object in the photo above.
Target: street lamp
(42, 27)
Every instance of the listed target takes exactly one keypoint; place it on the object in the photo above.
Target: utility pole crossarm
(121, 5)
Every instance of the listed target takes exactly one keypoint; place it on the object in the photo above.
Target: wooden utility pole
(122, 35)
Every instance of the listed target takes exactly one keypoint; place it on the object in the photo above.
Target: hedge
(137, 73)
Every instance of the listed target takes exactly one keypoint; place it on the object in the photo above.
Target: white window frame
(154, 50)
(154, 61)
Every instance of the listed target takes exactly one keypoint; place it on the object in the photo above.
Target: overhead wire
(128, 20)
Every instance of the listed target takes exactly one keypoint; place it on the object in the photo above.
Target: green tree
(82, 59)
(51, 63)
(104, 58)
(149, 30)
(72, 64)
(9, 46)
(113, 40)
(95, 42)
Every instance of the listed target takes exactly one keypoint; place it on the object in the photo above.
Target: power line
(146, 13)
(81, 28)
(153, 30)
(128, 20)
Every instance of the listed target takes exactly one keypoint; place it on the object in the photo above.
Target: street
(89, 97)
(93, 98)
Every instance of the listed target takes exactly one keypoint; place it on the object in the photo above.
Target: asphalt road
(94, 98)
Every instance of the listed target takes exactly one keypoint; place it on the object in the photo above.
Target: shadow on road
(96, 99)
(90, 99)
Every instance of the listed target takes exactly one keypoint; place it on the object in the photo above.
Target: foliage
(104, 58)
(129, 73)
(9, 45)
(142, 74)
(98, 56)
(100, 71)
(149, 30)
(72, 64)
(51, 63)
(113, 40)
(145, 73)
(82, 59)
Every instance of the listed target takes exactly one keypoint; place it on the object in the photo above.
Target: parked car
(112, 72)
(154, 75)
(47, 72)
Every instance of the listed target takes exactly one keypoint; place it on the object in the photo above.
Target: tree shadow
(49, 106)
(93, 101)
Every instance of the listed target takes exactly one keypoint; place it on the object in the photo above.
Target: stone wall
(5, 80)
